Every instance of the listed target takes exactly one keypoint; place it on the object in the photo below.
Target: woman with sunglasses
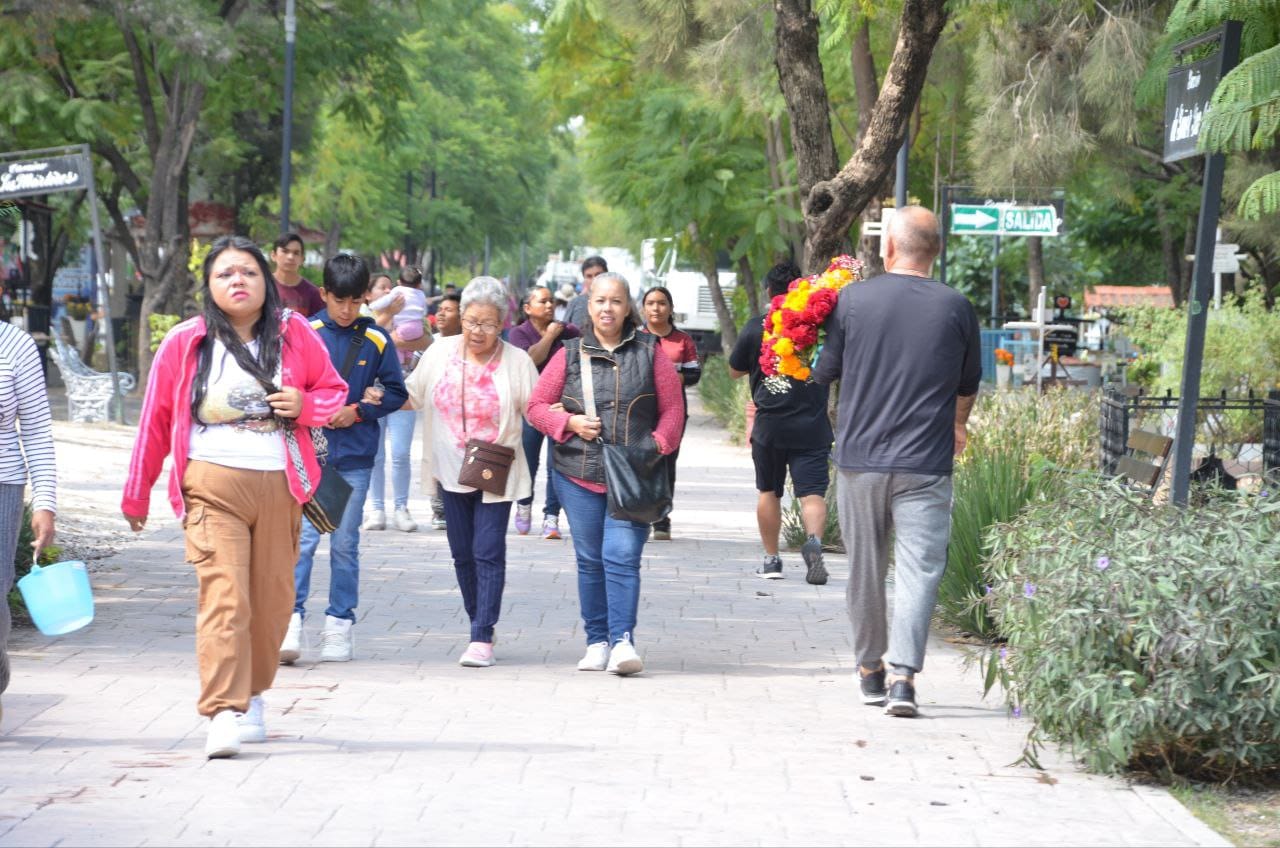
(475, 386)
(230, 396)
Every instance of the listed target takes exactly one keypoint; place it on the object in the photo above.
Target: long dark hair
(671, 304)
(218, 328)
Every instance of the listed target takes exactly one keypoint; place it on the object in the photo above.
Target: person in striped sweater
(26, 452)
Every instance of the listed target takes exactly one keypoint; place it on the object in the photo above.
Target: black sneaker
(902, 699)
(872, 686)
(771, 568)
(816, 571)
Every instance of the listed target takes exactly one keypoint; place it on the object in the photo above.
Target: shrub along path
(745, 729)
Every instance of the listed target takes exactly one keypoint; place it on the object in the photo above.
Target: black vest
(626, 399)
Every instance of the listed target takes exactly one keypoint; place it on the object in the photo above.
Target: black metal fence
(1225, 424)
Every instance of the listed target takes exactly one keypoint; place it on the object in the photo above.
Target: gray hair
(915, 233)
(486, 291)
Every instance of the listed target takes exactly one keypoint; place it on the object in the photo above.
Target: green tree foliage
(1244, 114)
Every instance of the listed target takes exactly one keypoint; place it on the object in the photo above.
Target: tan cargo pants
(242, 537)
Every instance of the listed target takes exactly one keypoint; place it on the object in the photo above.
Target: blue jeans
(477, 534)
(344, 552)
(400, 423)
(608, 552)
(532, 447)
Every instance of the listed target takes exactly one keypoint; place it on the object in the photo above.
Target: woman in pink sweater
(638, 401)
(225, 389)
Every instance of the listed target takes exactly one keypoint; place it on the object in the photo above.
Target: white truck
(694, 310)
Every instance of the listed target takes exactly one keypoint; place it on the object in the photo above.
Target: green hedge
(1143, 636)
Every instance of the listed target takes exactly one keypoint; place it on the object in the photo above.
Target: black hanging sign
(1189, 89)
(45, 175)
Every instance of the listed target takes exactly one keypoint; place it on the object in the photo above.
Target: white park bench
(89, 392)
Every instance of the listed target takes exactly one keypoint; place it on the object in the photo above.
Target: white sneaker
(224, 736)
(403, 521)
(337, 640)
(623, 659)
(437, 521)
(596, 658)
(377, 520)
(291, 647)
(253, 723)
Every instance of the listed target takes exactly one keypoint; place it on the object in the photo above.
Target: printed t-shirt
(235, 426)
(483, 412)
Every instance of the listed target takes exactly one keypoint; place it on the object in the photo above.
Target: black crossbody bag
(635, 476)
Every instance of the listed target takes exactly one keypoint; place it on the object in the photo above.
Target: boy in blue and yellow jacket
(364, 354)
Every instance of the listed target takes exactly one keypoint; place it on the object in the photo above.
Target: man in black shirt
(906, 351)
(791, 431)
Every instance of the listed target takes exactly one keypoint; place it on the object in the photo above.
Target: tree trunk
(831, 203)
(791, 229)
(1169, 256)
(866, 84)
(707, 258)
(332, 236)
(805, 91)
(1035, 270)
(747, 282)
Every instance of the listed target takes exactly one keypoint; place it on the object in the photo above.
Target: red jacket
(165, 425)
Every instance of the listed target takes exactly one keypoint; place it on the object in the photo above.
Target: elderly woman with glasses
(475, 386)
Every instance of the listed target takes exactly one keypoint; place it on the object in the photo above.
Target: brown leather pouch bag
(485, 466)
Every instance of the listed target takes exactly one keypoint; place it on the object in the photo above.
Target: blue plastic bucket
(58, 597)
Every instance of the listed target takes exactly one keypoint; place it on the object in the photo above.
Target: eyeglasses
(476, 327)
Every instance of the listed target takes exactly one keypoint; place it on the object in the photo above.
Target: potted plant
(1004, 368)
(77, 308)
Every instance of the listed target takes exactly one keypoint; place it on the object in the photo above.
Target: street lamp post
(286, 159)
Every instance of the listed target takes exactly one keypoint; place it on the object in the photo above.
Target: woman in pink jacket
(225, 389)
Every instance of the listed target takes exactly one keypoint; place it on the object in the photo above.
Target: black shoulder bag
(328, 501)
(635, 476)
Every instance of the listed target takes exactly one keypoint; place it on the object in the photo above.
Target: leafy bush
(1016, 439)
(725, 397)
(160, 324)
(1241, 354)
(1143, 636)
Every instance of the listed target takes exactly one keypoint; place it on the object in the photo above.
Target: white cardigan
(514, 379)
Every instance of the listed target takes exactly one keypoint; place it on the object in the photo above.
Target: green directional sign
(974, 220)
(1004, 219)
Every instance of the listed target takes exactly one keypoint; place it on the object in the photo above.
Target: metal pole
(104, 288)
(1201, 291)
(900, 172)
(286, 158)
(944, 215)
(995, 282)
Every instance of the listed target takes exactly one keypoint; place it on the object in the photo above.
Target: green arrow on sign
(1004, 219)
(967, 219)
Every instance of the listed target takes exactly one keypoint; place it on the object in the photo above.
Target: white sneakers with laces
(291, 647)
(377, 520)
(253, 722)
(623, 659)
(596, 658)
(224, 736)
(403, 521)
(336, 641)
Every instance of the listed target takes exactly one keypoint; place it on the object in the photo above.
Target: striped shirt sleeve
(35, 424)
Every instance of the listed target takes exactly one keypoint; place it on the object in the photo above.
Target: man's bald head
(914, 235)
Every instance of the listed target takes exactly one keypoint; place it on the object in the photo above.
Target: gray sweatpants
(916, 510)
(11, 502)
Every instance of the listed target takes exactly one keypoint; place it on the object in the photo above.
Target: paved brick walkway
(745, 729)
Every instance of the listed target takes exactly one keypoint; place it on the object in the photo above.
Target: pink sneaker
(524, 518)
(477, 655)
